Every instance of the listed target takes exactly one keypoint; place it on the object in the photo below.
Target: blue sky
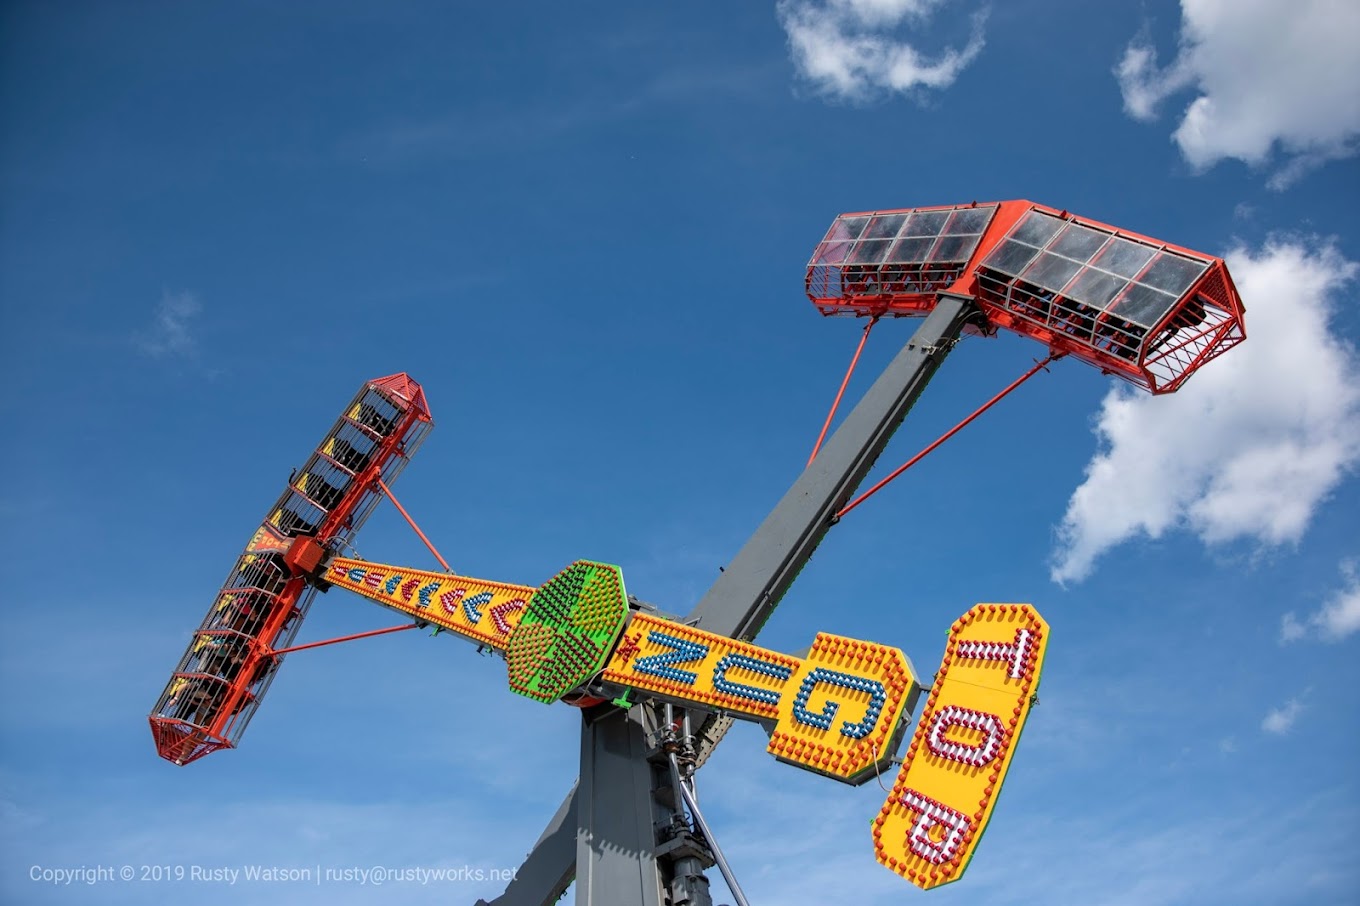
(582, 227)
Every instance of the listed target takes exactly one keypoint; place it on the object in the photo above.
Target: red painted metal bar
(841, 392)
(1038, 366)
(407, 516)
(345, 638)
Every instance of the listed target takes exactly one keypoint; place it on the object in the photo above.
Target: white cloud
(1248, 448)
(171, 331)
(1143, 86)
(1292, 628)
(1280, 721)
(849, 50)
(1272, 79)
(1335, 620)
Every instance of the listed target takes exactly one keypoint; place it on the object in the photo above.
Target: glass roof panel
(970, 220)
(1037, 228)
(1078, 242)
(1123, 257)
(1010, 257)
(1172, 273)
(831, 252)
(1143, 304)
(926, 223)
(954, 248)
(847, 227)
(912, 251)
(885, 226)
(1096, 288)
(869, 251)
(1051, 272)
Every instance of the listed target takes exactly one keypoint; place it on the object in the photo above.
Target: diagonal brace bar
(845, 382)
(345, 638)
(1038, 366)
(407, 516)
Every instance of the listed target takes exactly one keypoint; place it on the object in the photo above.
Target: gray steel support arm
(549, 868)
(746, 593)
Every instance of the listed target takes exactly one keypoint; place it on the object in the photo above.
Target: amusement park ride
(656, 691)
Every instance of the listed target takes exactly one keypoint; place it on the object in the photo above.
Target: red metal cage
(1144, 310)
(230, 661)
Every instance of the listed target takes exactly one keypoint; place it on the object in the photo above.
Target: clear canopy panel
(1136, 281)
(894, 261)
(1120, 301)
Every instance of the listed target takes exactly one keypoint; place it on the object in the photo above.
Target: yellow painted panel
(266, 539)
(842, 706)
(689, 665)
(483, 611)
(963, 745)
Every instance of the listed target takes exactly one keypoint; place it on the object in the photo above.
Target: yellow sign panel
(485, 612)
(265, 539)
(834, 712)
(963, 745)
(847, 705)
(692, 666)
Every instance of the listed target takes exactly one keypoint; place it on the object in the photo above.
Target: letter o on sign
(974, 755)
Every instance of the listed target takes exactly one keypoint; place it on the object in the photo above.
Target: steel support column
(616, 814)
(614, 801)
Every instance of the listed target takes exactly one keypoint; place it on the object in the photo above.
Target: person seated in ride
(290, 524)
(854, 279)
(1081, 319)
(347, 455)
(229, 655)
(1119, 336)
(1189, 316)
(1031, 301)
(321, 492)
(198, 701)
(370, 417)
(248, 612)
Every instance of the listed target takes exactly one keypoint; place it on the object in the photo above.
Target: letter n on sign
(964, 743)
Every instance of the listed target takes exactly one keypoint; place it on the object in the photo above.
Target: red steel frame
(207, 704)
(1205, 320)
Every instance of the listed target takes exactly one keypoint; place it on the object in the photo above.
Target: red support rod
(841, 392)
(1038, 366)
(345, 638)
(407, 516)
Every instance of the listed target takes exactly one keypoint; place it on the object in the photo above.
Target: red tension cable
(407, 516)
(841, 392)
(346, 638)
(1038, 366)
